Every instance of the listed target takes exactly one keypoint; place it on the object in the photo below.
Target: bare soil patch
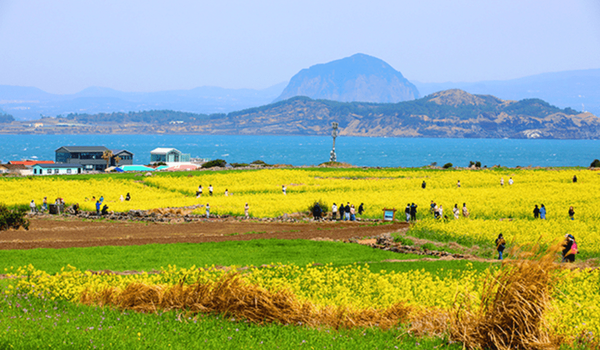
(70, 232)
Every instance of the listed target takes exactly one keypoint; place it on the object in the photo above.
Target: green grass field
(30, 323)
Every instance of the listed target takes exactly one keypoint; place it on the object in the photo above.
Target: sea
(314, 150)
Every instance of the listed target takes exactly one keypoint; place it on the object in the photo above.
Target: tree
(117, 160)
(595, 164)
(107, 155)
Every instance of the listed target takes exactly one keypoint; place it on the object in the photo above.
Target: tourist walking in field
(571, 213)
(347, 211)
(210, 190)
(465, 211)
(98, 207)
(199, 192)
(45, 204)
(127, 197)
(407, 212)
(283, 189)
(247, 211)
(121, 198)
(334, 210)
(500, 246)
(570, 248)
(432, 208)
(458, 184)
(440, 212)
(423, 185)
(456, 211)
(574, 178)
(543, 212)
(501, 181)
(510, 181)
(207, 210)
(316, 211)
(536, 212)
(413, 212)
(361, 209)
(32, 206)
(342, 209)
(226, 193)
(352, 213)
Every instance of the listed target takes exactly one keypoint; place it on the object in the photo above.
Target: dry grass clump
(233, 296)
(513, 303)
(171, 211)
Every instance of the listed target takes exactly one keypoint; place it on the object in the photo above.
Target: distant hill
(450, 113)
(26, 103)
(356, 78)
(578, 89)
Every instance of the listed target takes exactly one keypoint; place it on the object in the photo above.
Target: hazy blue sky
(65, 46)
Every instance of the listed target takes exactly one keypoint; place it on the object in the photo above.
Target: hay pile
(171, 211)
(513, 303)
(232, 296)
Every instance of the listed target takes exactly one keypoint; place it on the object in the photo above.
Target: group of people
(33, 207)
(568, 253)
(438, 211)
(411, 212)
(540, 212)
(346, 212)
(210, 191)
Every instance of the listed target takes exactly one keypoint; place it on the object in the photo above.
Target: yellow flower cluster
(576, 304)
(494, 208)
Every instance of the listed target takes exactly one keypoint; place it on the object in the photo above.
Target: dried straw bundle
(513, 303)
(231, 295)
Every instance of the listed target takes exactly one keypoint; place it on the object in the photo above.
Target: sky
(64, 46)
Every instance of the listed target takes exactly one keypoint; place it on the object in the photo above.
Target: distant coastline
(314, 150)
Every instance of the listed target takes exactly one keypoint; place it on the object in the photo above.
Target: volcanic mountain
(356, 78)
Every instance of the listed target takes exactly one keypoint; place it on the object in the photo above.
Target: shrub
(214, 163)
(429, 246)
(404, 240)
(239, 165)
(259, 162)
(447, 165)
(13, 218)
(595, 164)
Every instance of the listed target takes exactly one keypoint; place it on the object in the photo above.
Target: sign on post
(389, 214)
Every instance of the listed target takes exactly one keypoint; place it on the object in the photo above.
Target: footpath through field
(66, 232)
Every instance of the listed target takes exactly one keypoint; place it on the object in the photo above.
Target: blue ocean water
(313, 150)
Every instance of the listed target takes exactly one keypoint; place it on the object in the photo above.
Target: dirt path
(67, 232)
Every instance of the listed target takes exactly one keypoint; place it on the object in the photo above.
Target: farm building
(56, 169)
(18, 169)
(168, 155)
(93, 158)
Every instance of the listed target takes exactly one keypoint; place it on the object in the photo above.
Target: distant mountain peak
(359, 77)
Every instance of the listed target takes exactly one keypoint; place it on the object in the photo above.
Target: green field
(60, 324)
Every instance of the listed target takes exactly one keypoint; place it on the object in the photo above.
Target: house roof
(163, 150)
(31, 162)
(119, 151)
(77, 149)
(14, 166)
(57, 166)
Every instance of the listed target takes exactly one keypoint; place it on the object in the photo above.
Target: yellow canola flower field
(493, 208)
(575, 308)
